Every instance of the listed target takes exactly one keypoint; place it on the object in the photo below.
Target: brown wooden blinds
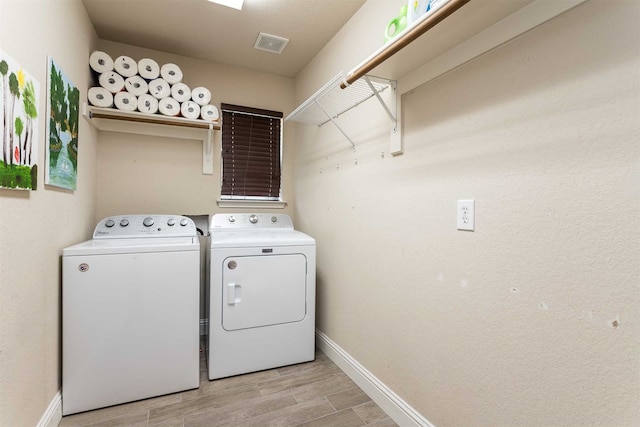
(250, 153)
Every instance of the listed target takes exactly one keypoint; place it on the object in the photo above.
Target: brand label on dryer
(84, 267)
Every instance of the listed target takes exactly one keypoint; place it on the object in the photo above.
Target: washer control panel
(125, 226)
(242, 220)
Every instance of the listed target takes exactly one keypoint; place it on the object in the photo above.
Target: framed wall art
(19, 93)
(63, 105)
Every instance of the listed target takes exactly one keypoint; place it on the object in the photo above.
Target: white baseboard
(399, 410)
(53, 415)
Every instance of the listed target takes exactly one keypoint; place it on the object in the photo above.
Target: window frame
(230, 200)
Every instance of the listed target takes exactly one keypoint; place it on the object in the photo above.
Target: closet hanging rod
(403, 39)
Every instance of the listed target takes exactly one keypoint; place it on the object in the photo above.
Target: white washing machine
(130, 312)
(261, 294)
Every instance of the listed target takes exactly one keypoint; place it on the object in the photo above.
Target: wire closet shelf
(330, 101)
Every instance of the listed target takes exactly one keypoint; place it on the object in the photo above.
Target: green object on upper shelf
(396, 25)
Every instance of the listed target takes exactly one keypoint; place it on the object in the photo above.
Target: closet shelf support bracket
(334, 122)
(207, 155)
(391, 115)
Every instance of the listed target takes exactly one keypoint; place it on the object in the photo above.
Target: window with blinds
(251, 153)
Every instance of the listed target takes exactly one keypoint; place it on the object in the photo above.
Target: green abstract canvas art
(19, 93)
(63, 104)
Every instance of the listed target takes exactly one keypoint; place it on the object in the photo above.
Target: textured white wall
(147, 174)
(36, 225)
(533, 318)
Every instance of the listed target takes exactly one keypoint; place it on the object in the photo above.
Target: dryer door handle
(234, 294)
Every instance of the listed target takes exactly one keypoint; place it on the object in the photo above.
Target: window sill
(255, 204)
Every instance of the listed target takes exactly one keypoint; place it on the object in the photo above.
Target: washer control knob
(184, 222)
(109, 223)
(232, 218)
(253, 219)
(171, 222)
(274, 219)
(148, 221)
(124, 222)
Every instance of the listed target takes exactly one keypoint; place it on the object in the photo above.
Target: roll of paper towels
(148, 69)
(210, 113)
(136, 85)
(111, 81)
(169, 107)
(181, 92)
(125, 101)
(171, 73)
(100, 62)
(190, 110)
(147, 104)
(201, 95)
(125, 66)
(159, 88)
(100, 97)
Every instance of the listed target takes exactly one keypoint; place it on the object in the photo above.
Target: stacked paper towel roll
(147, 87)
(111, 81)
(125, 101)
(190, 110)
(147, 104)
(136, 85)
(100, 97)
(148, 69)
(201, 95)
(125, 66)
(209, 113)
(159, 88)
(169, 106)
(171, 73)
(181, 92)
(100, 62)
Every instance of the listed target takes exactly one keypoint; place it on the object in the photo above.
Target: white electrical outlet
(466, 215)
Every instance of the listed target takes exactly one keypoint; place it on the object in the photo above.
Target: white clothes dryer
(130, 312)
(261, 294)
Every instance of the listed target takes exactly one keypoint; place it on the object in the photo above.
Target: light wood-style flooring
(314, 394)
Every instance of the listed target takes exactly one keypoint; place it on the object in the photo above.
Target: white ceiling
(204, 30)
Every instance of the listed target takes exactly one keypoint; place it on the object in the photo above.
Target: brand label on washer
(84, 267)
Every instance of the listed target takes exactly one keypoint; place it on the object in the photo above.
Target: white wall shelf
(329, 102)
(437, 43)
(113, 120)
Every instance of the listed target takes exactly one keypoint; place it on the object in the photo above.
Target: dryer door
(263, 290)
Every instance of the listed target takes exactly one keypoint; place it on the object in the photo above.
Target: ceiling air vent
(270, 43)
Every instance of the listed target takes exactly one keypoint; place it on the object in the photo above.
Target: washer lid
(257, 238)
(127, 246)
